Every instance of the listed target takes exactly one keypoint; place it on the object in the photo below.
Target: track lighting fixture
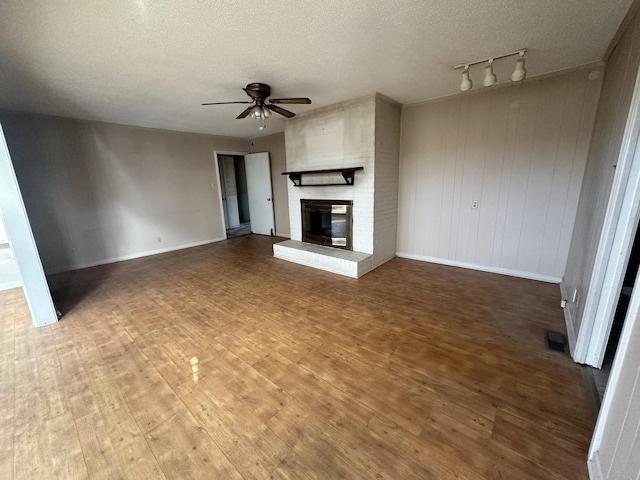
(520, 72)
(490, 77)
(466, 81)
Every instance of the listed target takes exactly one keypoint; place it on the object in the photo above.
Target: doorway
(246, 196)
(235, 199)
(598, 378)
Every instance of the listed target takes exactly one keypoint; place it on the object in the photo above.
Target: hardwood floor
(223, 362)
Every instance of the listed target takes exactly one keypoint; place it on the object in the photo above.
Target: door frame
(614, 248)
(23, 244)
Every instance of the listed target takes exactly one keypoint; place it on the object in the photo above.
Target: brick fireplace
(359, 133)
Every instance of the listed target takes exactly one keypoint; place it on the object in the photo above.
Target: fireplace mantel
(348, 173)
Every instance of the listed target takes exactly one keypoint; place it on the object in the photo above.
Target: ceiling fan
(260, 109)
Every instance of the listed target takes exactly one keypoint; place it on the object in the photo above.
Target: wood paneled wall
(520, 152)
(615, 452)
(613, 109)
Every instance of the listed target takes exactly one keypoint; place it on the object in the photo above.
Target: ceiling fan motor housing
(261, 90)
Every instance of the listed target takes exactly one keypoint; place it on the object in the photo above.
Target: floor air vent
(555, 341)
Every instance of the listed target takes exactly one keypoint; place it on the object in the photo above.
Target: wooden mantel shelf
(348, 173)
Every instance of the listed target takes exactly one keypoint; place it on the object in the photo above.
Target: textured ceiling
(152, 62)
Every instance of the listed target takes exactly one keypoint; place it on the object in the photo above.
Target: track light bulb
(520, 72)
(466, 81)
(489, 77)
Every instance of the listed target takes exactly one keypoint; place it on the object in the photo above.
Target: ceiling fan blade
(305, 101)
(281, 111)
(244, 113)
(253, 94)
(222, 103)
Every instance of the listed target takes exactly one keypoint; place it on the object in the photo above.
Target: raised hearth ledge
(334, 260)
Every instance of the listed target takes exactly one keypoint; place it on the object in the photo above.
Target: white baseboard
(10, 285)
(131, 256)
(483, 268)
(568, 320)
(283, 235)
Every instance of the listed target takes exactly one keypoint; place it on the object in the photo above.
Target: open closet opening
(235, 199)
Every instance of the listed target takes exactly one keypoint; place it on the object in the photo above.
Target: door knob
(268, 199)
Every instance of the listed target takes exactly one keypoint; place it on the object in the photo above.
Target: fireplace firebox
(327, 222)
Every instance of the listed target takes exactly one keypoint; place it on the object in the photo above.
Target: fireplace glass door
(327, 222)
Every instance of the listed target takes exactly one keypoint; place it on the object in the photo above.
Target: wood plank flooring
(221, 362)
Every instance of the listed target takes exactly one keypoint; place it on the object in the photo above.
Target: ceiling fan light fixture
(256, 111)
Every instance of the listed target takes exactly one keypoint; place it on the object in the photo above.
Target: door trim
(615, 244)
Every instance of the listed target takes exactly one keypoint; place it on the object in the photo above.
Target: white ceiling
(153, 62)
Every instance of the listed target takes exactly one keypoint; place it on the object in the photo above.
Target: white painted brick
(362, 132)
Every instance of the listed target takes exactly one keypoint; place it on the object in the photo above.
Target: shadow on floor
(244, 229)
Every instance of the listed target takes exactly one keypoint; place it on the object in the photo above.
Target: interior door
(260, 195)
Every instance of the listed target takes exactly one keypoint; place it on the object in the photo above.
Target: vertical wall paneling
(520, 152)
(613, 109)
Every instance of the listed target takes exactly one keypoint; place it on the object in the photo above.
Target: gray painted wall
(274, 144)
(98, 192)
(613, 109)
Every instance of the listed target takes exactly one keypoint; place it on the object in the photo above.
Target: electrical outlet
(474, 204)
(563, 303)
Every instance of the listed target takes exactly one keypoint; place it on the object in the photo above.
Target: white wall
(613, 109)
(99, 192)
(520, 151)
(337, 136)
